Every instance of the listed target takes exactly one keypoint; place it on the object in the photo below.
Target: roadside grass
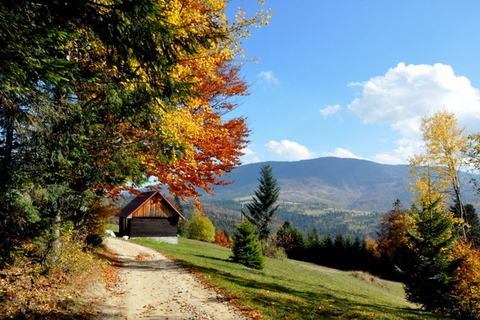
(289, 289)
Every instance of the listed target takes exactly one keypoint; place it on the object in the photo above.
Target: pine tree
(247, 249)
(429, 269)
(263, 207)
(470, 218)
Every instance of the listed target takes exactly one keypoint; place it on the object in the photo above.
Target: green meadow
(289, 289)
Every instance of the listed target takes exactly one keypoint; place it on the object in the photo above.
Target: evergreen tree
(313, 239)
(292, 240)
(263, 207)
(247, 249)
(178, 204)
(284, 236)
(429, 270)
(471, 218)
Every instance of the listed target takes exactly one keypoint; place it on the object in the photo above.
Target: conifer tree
(429, 269)
(263, 205)
(470, 218)
(247, 249)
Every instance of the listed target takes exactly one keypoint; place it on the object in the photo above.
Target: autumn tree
(429, 270)
(263, 205)
(392, 242)
(199, 227)
(436, 172)
(466, 292)
(64, 99)
(95, 95)
(221, 239)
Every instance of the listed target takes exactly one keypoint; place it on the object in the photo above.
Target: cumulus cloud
(406, 93)
(397, 156)
(290, 150)
(341, 153)
(268, 76)
(330, 110)
(249, 156)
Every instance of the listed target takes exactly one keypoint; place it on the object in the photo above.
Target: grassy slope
(292, 289)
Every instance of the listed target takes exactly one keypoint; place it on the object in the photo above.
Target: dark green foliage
(471, 218)
(428, 272)
(339, 252)
(292, 241)
(263, 205)
(62, 103)
(246, 248)
(178, 204)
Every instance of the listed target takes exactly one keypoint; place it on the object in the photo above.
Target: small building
(150, 215)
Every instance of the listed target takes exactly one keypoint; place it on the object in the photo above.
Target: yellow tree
(206, 144)
(185, 140)
(436, 172)
(429, 270)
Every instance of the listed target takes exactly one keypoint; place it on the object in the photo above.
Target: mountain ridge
(352, 184)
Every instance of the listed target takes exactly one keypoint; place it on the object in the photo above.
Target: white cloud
(341, 153)
(397, 156)
(410, 92)
(249, 156)
(406, 93)
(269, 77)
(330, 110)
(290, 150)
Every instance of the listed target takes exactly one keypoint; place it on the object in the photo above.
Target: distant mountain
(330, 182)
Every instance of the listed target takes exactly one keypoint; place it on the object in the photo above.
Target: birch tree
(436, 171)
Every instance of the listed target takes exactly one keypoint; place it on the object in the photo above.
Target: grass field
(292, 289)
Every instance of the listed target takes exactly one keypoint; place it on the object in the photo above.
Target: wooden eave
(140, 200)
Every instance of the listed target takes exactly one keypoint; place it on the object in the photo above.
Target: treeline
(226, 214)
(339, 251)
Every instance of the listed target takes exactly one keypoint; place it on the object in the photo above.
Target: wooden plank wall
(154, 208)
(145, 227)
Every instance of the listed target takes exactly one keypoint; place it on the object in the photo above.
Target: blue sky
(354, 78)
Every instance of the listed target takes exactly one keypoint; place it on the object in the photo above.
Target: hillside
(333, 195)
(350, 184)
(289, 289)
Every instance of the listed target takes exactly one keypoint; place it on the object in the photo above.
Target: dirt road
(154, 287)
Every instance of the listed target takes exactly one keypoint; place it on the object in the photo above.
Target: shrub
(199, 227)
(466, 293)
(221, 239)
(272, 250)
(246, 248)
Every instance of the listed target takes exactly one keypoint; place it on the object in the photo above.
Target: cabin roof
(140, 200)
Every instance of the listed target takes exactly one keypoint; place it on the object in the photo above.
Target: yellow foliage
(436, 171)
(467, 280)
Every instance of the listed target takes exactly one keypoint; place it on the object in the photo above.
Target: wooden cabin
(150, 215)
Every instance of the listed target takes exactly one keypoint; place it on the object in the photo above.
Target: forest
(99, 97)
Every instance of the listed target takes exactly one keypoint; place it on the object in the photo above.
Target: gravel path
(157, 288)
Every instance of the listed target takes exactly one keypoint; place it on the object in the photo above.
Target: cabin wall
(148, 227)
